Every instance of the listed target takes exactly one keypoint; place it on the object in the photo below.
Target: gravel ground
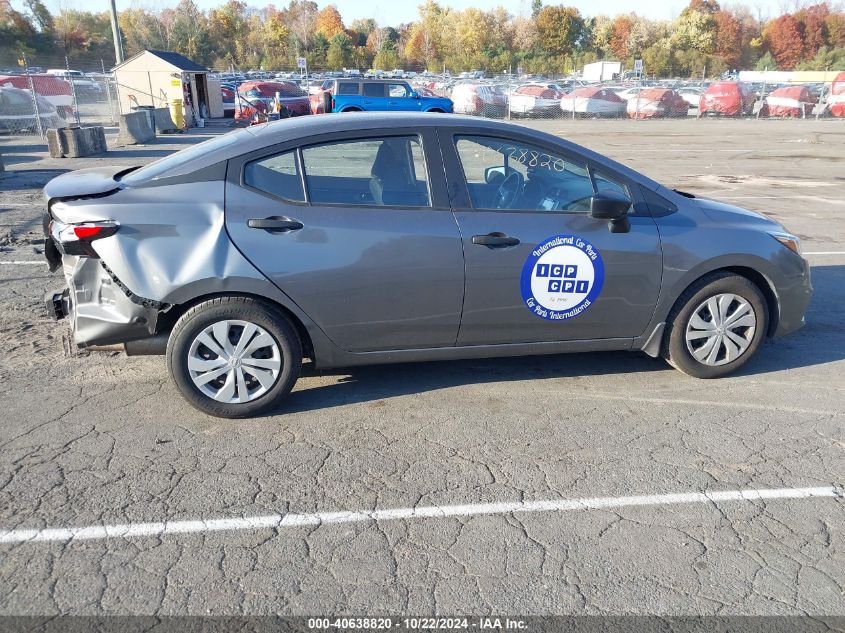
(96, 438)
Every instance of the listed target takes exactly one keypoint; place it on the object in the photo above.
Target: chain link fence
(42, 93)
(39, 93)
(538, 98)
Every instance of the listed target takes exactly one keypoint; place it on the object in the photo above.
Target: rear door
(355, 228)
(538, 267)
(374, 97)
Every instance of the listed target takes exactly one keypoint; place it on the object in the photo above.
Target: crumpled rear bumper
(100, 311)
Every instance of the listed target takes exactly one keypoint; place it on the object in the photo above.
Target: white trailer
(601, 71)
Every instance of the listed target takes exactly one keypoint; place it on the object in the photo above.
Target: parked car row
(646, 99)
(17, 112)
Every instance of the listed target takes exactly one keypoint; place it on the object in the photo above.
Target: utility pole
(115, 31)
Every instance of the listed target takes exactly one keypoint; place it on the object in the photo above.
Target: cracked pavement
(98, 438)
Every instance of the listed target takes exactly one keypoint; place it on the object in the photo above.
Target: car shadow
(821, 341)
(378, 382)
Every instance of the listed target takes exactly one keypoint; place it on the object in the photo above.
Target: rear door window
(374, 89)
(368, 172)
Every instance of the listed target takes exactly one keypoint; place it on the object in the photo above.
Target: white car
(535, 100)
(593, 101)
(81, 83)
(629, 93)
(691, 95)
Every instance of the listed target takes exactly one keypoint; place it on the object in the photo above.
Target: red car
(790, 101)
(836, 100)
(258, 96)
(728, 98)
(657, 102)
(54, 89)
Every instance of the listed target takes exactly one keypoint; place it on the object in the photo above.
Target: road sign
(638, 66)
(301, 63)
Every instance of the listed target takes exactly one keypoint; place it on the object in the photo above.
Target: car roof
(259, 137)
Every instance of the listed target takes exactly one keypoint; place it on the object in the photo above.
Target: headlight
(790, 241)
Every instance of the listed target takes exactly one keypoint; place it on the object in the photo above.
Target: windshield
(164, 165)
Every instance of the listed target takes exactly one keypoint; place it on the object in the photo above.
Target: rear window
(290, 90)
(162, 166)
(723, 90)
(347, 88)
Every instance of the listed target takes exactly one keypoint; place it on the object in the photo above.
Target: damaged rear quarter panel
(170, 239)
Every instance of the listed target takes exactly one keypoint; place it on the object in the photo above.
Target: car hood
(94, 181)
(722, 213)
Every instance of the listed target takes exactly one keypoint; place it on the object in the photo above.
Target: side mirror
(415, 95)
(609, 205)
(494, 175)
(612, 206)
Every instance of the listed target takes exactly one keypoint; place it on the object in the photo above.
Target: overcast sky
(391, 13)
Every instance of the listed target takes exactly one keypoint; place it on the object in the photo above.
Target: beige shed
(156, 78)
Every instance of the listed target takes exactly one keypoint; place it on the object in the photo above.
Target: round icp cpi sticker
(562, 277)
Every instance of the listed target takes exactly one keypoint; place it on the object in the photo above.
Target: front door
(538, 267)
(350, 230)
(399, 97)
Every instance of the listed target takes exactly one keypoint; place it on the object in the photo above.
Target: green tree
(559, 29)
(387, 57)
(340, 51)
(767, 62)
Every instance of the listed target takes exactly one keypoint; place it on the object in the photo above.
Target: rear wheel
(234, 357)
(716, 326)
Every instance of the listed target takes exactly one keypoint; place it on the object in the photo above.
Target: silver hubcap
(721, 329)
(234, 361)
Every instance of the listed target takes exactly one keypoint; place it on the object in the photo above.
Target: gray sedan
(385, 238)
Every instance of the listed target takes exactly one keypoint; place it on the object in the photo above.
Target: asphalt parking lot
(620, 446)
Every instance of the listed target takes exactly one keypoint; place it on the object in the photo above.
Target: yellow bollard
(178, 113)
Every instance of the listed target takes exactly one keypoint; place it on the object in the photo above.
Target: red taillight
(75, 239)
(89, 232)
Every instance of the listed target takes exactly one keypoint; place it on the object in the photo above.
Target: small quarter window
(277, 175)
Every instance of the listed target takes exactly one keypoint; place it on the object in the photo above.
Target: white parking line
(825, 253)
(23, 263)
(282, 521)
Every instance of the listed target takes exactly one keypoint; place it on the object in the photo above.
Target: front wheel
(234, 357)
(716, 326)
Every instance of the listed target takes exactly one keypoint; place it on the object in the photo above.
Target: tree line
(704, 39)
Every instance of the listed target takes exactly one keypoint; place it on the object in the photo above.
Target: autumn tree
(728, 46)
(619, 35)
(813, 28)
(783, 38)
(328, 22)
(559, 29)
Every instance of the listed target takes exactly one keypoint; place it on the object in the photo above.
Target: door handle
(494, 240)
(275, 224)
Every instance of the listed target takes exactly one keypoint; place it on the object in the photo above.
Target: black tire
(260, 313)
(675, 349)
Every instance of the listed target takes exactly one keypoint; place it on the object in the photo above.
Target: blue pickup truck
(378, 95)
